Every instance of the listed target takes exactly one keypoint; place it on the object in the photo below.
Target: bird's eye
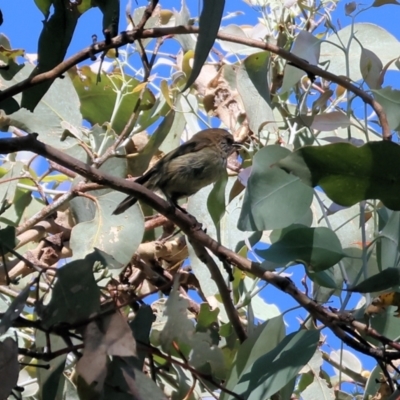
(229, 140)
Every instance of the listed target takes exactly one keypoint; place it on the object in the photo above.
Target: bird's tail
(124, 205)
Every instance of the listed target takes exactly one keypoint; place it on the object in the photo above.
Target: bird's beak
(237, 145)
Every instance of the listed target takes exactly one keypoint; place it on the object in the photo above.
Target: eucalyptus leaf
(117, 235)
(252, 85)
(349, 174)
(388, 278)
(318, 248)
(270, 191)
(273, 370)
(75, 295)
(209, 22)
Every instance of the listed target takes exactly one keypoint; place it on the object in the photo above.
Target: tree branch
(335, 321)
(130, 36)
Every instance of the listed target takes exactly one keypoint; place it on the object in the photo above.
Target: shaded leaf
(51, 52)
(9, 366)
(390, 101)
(141, 327)
(388, 241)
(75, 295)
(108, 336)
(318, 248)
(125, 382)
(273, 199)
(216, 202)
(349, 174)
(203, 355)
(8, 238)
(209, 22)
(139, 164)
(390, 277)
(264, 338)
(15, 309)
(306, 46)
(110, 10)
(371, 67)
(51, 380)
(272, 371)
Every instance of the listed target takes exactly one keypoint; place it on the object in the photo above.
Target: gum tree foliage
(314, 179)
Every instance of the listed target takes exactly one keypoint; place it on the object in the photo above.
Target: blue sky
(22, 24)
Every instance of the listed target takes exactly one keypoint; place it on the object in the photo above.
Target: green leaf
(206, 317)
(273, 199)
(9, 366)
(323, 278)
(98, 98)
(51, 52)
(84, 5)
(388, 278)
(388, 241)
(101, 138)
(75, 295)
(349, 174)
(252, 85)
(106, 260)
(371, 68)
(306, 46)
(201, 351)
(51, 380)
(216, 202)
(318, 248)
(8, 57)
(139, 164)
(390, 101)
(110, 10)
(109, 233)
(16, 307)
(8, 239)
(44, 6)
(60, 103)
(209, 22)
(141, 327)
(264, 339)
(125, 382)
(273, 370)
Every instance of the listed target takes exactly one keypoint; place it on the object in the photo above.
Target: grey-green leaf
(272, 371)
(273, 199)
(318, 248)
(210, 20)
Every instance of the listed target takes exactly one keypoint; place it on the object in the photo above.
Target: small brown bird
(184, 171)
